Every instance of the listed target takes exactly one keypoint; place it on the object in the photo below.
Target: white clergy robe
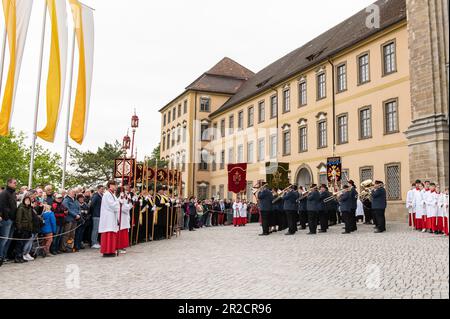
(109, 214)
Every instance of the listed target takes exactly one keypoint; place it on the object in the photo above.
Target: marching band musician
(345, 205)
(278, 215)
(323, 212)
(265, 198)
(379, 204)
(290, 209)
(302, 207)
(354, 199)
(313, 207)
(160, 215)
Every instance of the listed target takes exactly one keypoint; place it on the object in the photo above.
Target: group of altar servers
(142, 218)
(428, 207)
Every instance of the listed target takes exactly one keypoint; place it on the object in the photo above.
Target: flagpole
(66, 141)
(2, 62)
(38, 90)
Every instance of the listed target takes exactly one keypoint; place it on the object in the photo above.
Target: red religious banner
(151, 174)
(237, 178)
(162, 175)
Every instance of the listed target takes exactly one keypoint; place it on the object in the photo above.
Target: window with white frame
(303, 97)
(261, 111)
(250, 152)
(240, 153)
(341, 71)
(205, 104)
(273, 146)
(261, 150)
(251, 116)
(321, 86)
(273, 106)
(322, 134)
(389, 58)
(391, 117)
(303, 138)
(363, 69)
(365, 123)
(286, 100)
(342, 127)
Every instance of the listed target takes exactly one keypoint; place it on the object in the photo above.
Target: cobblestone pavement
(228, 262)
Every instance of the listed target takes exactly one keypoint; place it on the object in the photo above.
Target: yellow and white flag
(57, 67)
(84, 23)
(17, 17)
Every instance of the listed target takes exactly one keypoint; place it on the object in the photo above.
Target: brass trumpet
(281, 194)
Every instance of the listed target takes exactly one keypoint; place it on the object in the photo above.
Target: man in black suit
(379, 205)
(323, 212)
(345, 204)
(313, 207)
(290, 208)
(354, 201)
(265, 198)
(302, 207)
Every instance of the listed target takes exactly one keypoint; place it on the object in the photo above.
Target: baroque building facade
(374, 96)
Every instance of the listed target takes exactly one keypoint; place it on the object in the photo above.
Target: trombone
(335, 196)
(281, 194)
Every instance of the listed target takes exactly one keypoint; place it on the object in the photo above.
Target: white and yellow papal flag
(56, 79)
(84, 23)
(17, 17)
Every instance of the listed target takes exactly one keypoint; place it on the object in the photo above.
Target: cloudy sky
(147, 52)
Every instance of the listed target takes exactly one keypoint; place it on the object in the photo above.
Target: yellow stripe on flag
(17, 17)
(80, 112)
(9, 8)
(54, 80)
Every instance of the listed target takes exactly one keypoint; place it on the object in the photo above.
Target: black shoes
(379, 231)
(346, 233)
(1, 261)
(322, 231)
(288, 234)
(263, 235)
(19, 260)
(311, 233)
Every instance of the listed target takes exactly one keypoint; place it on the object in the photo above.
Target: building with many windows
(350, 92)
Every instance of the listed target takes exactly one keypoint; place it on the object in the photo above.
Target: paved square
(230, 263)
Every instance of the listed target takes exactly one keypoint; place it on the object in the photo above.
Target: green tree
(91, 168)
(156, 155)
(13, 161)
(47, 167)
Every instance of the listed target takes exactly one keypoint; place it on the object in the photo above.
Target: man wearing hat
(345, 205)
(313, 207)
(323, 212)
(290, 207)
(265, 198)
(379, 204)
(354, 201)
(162, 204)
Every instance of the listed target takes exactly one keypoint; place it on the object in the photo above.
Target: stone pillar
(428, 134)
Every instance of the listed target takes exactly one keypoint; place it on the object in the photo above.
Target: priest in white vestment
(109, 225)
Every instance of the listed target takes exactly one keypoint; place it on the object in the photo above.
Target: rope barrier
(54, 236)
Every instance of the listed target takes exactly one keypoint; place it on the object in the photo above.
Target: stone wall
(428, 134)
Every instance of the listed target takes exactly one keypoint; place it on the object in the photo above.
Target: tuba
(366, 193)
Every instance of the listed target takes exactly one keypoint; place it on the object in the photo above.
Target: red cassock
(108, 243)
